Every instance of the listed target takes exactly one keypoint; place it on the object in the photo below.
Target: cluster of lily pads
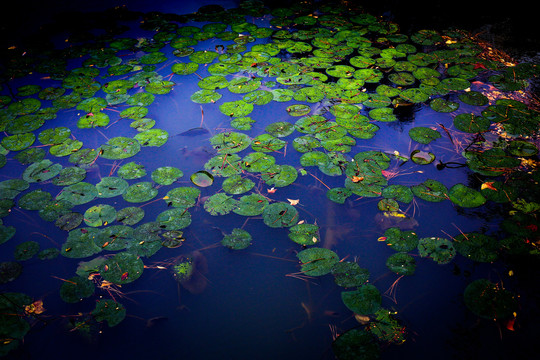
(341, 75)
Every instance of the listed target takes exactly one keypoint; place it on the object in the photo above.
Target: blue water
(247, 307)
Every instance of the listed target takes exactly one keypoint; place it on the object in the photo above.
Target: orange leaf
(488, 185)
(293, 202)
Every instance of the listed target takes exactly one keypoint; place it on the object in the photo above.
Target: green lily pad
(18, 142)
(9, 271)
(464, 196)
(230, 142)
(69, 221)
(489, 301)
(120, 148)
(477, 247)
(356, 344)
(69, 176)
(364, 301)
(238, 239)
(111, 186)
(317, 261)
(182, 197)
(80, 244)
(152, 137)
(34, 200)
(349, 274)
(219, 204)
(130, 215)
(423, 135)
(99, 215)
(401, 264)
(440, 250)
(26, 250)
(305, 234)
(110, 311)
(250, 205)
(166, 175)
(280, 214)
(422, 157)
(122, 268)
(79, 193)
(400, 240)
(238, 108)
(522, 148)
(237, 184)
(131, 171)
(76, 288)
(471, 123)
(267, 143)
(202, 178)
(174, 219)
(92, 120)
(430, 190)
(140, 192)
(443, 106)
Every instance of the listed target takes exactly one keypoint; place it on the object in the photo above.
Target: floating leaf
(130, 215)
(111, 186)
(152, 137)
(280, 214)
(464, 196)
(349, 274)
(364, 301)
(79, 193)
(80, 244)
(99, 215)
(422, 157)
(219, 204)
(166, 175)
(131, 171)
(120, 148)
(317, 261)
(202, 178)
(76, 288)
(477, 247)
(423, 135)
(140, 192)
(239, 239)
(431, 190)
(230, 142)
(122, 268)
(440, 250)
(237, 184)
(489, 301)
(26, 250)
(174, 219)
(250, 205)
(304, 234)
(401, 264)
(110, 311)
(402, 241)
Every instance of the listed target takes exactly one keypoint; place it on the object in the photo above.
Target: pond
(226, 180)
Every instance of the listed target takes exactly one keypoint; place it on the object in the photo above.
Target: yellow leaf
(293, 202)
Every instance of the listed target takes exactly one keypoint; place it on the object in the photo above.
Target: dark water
(247, 306)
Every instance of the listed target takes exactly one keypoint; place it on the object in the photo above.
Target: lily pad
(401, 264)
(166, 175)
(26, 250)
(365, 300)
(202, 178)
(280, 214)
(423, 135)
(238, 239)
(317, 261)
(219, 204)
(477, 247)
(99, 215)
(76, 288)
(431, 190)
(304, 234)
(79, 193)
(250, 205)
(120, 148)
(111, 186)
(489, 301)
(140, 192)
(401, 240)
(110, 311)
(464, 196)
(237, 184)
(122, 268)
(440, 250)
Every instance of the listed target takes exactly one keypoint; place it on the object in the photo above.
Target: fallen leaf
(488, 185)
(271, 191)
(293, 202)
